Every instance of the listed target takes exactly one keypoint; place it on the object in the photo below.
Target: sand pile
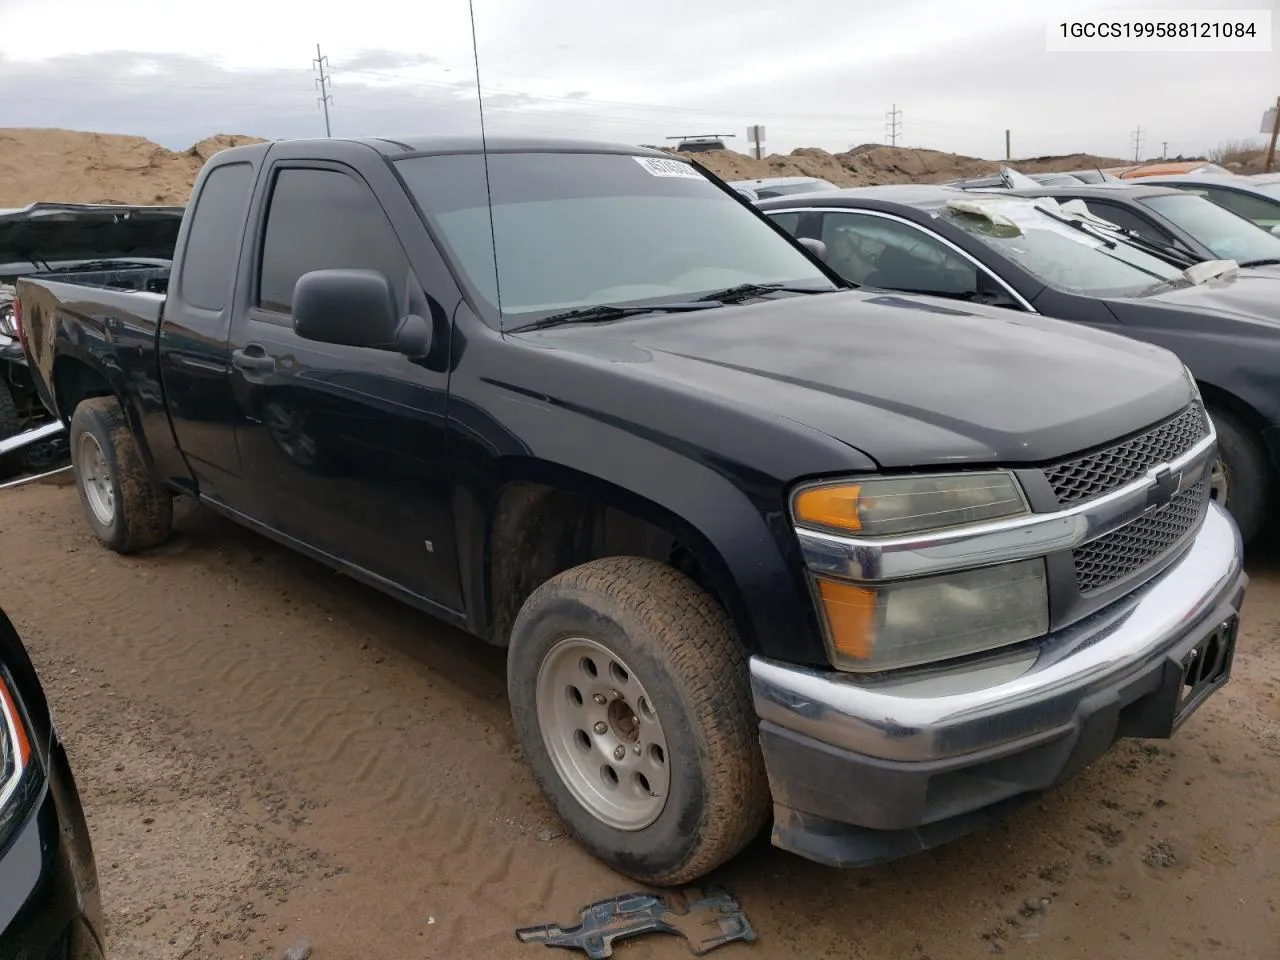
(108, 168)
(77, 167)
(872, 164)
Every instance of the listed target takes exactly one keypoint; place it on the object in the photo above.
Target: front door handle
(253, 359)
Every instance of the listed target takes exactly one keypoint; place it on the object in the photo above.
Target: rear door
(194, 354)
(344, 447)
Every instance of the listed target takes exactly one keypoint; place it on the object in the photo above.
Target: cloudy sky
(814, 72)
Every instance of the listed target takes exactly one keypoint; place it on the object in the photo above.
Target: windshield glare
(580, 230)
(1229, 236)
(1066, 258)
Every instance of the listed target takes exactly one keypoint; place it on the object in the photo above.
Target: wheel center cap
(623, 720)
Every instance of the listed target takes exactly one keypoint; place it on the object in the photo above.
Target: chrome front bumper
(1025, 695)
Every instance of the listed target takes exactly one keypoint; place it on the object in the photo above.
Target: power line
(1137, 144)
(893, 124)
(326, 98)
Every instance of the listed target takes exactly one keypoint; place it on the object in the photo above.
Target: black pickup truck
(51, 239)
(748, 534)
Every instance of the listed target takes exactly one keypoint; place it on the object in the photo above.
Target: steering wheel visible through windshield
(580, 230)
(1064, 257)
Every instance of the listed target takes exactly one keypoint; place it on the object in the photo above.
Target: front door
(344, 447)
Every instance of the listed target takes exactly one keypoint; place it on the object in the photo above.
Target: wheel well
(1247, 415)
(540, 531)
(74, 381)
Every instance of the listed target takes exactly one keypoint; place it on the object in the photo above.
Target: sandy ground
(271, 753)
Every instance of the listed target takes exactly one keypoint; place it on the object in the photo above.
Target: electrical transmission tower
(893, 124)
(1137, 144)
(322, 81)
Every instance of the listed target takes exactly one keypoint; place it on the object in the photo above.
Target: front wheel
(1242, 478)
(126, 508)
(631, 701)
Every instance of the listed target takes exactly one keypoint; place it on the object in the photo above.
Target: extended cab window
(323, 220)
(213, 243)
(896, 256)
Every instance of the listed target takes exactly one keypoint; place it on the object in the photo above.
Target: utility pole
(1275, 135)
(1137, 144)
(322, 81)
(1008, 149)
(893, 124)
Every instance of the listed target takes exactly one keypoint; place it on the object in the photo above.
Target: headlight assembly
(884, 626)
(15, 748)
(887, 623)
(888, 506)
(8, 322)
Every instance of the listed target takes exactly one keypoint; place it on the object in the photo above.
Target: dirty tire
(143, 510)
(10, 422)
(14, 463)
(683, 650)
(1250, 478)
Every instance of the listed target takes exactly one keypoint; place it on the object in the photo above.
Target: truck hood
(60, 234)
(908, 381)
(1252, 295)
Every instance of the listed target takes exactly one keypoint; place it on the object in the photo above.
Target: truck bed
(137, 279)
(94, 318)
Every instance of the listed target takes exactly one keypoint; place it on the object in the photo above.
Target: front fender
(730, 516)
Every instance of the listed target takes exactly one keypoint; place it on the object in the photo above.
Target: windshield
(581, 230)
(1066, 258)
(1229, 236)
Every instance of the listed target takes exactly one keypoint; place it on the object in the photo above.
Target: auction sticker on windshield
(659, 167)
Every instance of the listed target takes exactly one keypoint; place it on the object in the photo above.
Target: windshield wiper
(746, 291)
(1160, 250)
(604, 313)
(1270, 262)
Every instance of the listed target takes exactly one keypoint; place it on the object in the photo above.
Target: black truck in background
(52, 239)
(750, 536)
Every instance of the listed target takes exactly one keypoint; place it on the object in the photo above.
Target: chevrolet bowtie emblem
(1164, 489)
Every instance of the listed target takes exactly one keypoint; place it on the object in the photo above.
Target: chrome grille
(1092, 475)
(1110, 558)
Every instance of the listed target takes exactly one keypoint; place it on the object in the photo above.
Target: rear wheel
(14, 463)
(631, 699)
(126, 508)
(1242, 479)
(10, 422)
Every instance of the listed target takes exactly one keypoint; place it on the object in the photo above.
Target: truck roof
(420, 145)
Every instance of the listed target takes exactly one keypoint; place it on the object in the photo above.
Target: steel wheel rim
(95, 479)
(1219, 482)
(602, 733)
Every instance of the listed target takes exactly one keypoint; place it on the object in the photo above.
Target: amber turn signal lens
(11, 719)
(835, 506)
(851, 618)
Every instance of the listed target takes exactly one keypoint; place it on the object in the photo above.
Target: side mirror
(816, 247)
(1276, 229)
(356, 308)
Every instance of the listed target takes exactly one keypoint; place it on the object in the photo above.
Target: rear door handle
(253, 359)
